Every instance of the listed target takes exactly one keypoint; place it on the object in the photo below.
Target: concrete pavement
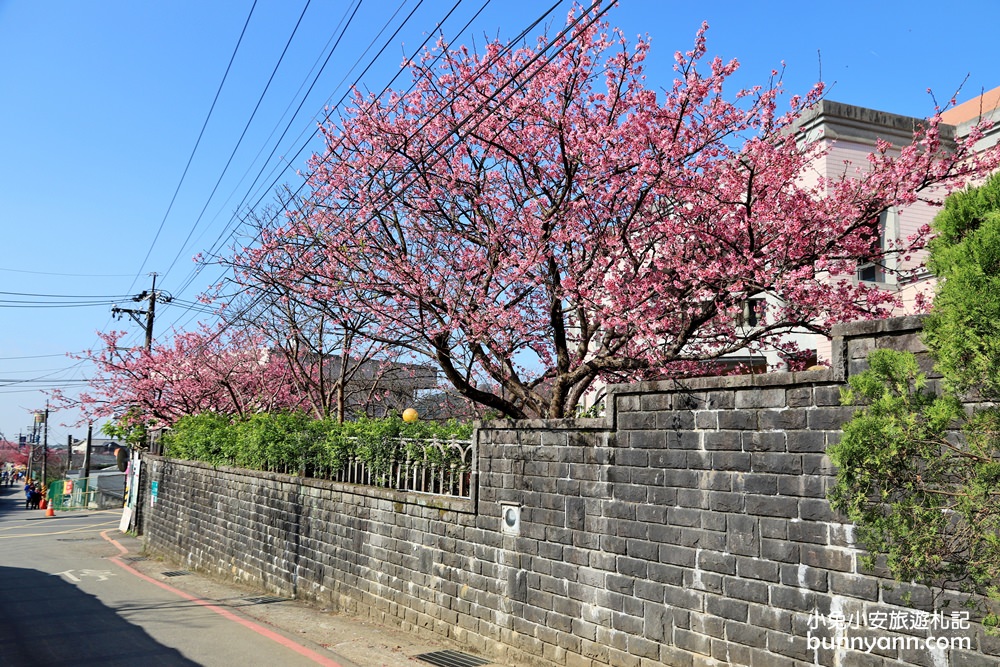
(354, 642)
(75, 586)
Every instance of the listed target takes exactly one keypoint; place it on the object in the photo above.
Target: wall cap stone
(834, 374)
(870, 327)
(780, 379)
(569, 424)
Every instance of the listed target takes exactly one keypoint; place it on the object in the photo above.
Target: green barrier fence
(71, 494)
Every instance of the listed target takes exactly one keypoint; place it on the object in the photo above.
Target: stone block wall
(689, 527)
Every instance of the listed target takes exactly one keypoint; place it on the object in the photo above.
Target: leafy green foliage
(128, 428)
(297, 444)
(915, 489)
(919, 470)
(962, 328)
(206, 437)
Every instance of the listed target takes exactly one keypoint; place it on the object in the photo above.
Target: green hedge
(298, 444)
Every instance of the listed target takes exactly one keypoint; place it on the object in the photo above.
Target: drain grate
(134, 559)
(176, 573)
(75, 539)
(265, 599)
(452, 659)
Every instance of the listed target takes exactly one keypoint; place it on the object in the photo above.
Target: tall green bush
(919, 470)
(208, 437)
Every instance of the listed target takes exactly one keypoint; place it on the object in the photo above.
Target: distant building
(375, 388)
(105, 489)
(102, 452)
(851, 133)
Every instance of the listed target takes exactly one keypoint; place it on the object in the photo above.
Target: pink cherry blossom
(536, 220)
(534, 226)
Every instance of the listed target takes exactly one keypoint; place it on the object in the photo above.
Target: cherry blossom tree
(326, 343)
(11, 453)
(228, 370)
(535, 220)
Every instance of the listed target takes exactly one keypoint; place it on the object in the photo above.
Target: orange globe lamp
(410, 415)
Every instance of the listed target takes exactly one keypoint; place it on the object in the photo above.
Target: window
(871, 273)
(874, 272)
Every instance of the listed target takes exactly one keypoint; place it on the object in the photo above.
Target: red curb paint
(225, 613)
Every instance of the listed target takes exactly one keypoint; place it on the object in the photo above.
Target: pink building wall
(850, 133)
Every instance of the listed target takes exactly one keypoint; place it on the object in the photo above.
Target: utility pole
(33, 457)
(152, 296)
(150, 314)
(85, 473)
(31, 450)
(45, 446)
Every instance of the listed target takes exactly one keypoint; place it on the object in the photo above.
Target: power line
(42, 370)
(194, 273)
(46, 379)
(196, 144)
(66, 296)
(492, 98)
(294, 115)
(225, 76)
(39, 356)
(7, 303)
(33, 381)
(512, 80)
(69, 275)
(191, 306)
(230, 229)
(239, 142)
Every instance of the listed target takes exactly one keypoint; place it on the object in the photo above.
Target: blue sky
(102, 104)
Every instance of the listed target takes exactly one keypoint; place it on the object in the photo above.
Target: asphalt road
(71, 596)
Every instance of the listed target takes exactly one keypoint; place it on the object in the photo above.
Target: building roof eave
(836, 121)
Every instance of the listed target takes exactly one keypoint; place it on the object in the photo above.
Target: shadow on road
(45, 620)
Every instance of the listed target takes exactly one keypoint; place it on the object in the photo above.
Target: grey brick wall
(689, 527)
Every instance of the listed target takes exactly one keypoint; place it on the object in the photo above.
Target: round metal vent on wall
(510, 516)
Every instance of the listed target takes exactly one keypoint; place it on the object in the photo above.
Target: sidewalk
(349, 641)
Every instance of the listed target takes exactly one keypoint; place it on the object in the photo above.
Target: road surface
(71, 596)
